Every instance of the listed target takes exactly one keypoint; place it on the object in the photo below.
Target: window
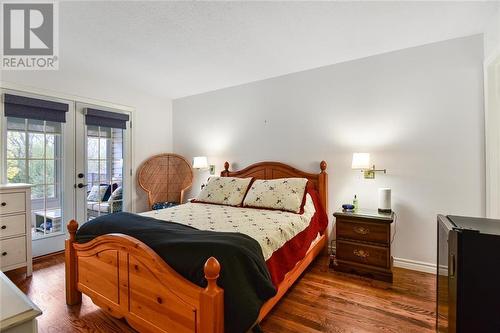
(34, 156)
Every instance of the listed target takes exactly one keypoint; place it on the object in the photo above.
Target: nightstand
(363, 243)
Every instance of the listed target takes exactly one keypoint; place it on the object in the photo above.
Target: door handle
(81, 185)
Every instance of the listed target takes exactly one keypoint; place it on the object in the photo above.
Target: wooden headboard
(274, 170)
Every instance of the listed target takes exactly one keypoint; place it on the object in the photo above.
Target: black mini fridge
(468, 275)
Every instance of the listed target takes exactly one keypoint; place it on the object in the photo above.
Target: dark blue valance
(105, 118)
(33, 108)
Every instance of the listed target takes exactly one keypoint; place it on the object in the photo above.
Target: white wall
(492, 118)
(418, 111)
(492, 113)
(492, 35)
(152, 120)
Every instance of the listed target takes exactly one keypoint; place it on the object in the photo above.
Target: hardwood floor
(327, 301)
(322, 301)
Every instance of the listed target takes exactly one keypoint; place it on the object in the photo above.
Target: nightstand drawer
(12, 225)
(363, 254)
(13, 251)
(12, 202)
(363, 231)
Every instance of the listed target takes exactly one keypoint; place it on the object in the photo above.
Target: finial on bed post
(73, 296)
(212, 300)
(226, 166)
(72, 228)
(322, 166)
(212, 270)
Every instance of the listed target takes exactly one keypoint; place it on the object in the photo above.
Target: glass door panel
(102, 158)
(34, 156)
(104, 171)
(41, 153)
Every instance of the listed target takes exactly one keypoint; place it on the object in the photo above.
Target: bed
(129, 280)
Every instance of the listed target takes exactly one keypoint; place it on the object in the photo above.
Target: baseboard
(45, 256)
(415, 265)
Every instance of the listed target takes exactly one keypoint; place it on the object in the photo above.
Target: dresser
(18, 313)
(15, 227)
(363, 243)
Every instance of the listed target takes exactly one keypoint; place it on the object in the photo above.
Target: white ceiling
(176, 49)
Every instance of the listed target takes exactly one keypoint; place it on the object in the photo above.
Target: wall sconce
(201, 163)
(361, 161)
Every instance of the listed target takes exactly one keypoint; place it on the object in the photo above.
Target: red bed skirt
(286, 257)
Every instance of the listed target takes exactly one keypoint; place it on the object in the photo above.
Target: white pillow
(224, 191)
(97, 192)
(283, 194)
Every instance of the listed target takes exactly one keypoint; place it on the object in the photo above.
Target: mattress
(270, 228)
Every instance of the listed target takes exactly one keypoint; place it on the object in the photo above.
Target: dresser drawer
(12, 225)
(12, 202)
(12, 251)
(363, 254)
(363, 231)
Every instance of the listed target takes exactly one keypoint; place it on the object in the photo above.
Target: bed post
(226, 170)
(212, 300)
(73, 296)
(323, 194)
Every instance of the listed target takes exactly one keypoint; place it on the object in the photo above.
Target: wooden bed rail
(129, 280)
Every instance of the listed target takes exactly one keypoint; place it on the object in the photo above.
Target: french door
(102, 168)
(38, 148)
(76, 164)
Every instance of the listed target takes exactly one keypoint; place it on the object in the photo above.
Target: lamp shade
(200, 162)
(361, 161)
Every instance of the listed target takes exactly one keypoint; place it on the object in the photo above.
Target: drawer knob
(361, 253)
(4, 204)
(361, 230)
(4, 254)
(4, 227)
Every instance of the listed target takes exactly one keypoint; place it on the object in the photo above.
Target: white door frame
(492, 133)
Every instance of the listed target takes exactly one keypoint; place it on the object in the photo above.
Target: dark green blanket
(186, 250)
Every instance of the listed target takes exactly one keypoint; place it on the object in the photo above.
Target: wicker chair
(165, 178)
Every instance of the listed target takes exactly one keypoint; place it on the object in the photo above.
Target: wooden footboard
(129, 280)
